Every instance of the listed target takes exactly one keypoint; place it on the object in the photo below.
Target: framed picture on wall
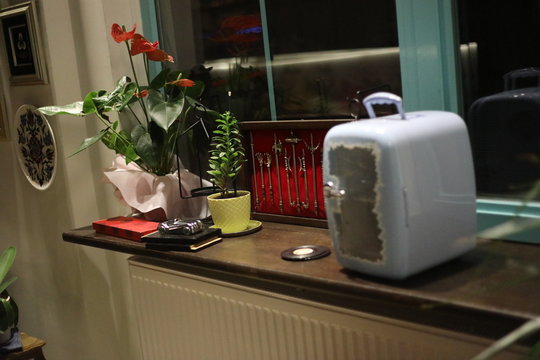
(21, 36)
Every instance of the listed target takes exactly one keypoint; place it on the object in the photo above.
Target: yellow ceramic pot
(230, 215)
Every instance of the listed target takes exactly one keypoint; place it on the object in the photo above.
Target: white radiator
(187, 317)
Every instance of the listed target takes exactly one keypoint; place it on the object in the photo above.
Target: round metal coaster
(305, 252)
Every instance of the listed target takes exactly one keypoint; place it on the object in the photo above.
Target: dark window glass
(316, 55)
(502, 93)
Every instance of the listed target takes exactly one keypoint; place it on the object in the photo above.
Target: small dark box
(157, 237)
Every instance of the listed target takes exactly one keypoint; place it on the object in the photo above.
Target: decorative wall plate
(36, 147)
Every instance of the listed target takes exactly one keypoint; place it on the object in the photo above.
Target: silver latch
(330, 191)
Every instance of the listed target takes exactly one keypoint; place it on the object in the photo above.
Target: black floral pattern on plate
(37, 150)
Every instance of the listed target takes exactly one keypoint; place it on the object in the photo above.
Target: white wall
(75, 297)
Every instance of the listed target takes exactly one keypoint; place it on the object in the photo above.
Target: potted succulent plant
(9, 312)
(230, 208)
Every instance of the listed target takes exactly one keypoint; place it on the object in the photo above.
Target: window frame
(431, 80)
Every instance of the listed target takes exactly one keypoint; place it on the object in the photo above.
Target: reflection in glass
(293, 59)
(502, 100)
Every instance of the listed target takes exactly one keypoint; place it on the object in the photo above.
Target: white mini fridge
(399, 190)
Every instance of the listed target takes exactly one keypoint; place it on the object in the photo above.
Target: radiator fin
(182, 318)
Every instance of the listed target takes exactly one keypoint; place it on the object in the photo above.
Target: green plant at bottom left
(9, 312)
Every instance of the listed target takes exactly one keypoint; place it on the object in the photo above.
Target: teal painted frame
(268, 62)
(492, 212)
(430, 76)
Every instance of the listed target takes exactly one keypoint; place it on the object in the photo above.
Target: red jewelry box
(284, 169)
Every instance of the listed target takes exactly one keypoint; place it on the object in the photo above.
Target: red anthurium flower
(119, 35)
(141, 94)
(139, 45)
(182, 83)
(159, 55)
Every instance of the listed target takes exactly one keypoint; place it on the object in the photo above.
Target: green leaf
(90, 141)
(120, 84)
(6, 260)
(121, 144)
(4, 285)
(15, 311)
(109, 140)
(130, 154)
(164, 113)
(10, 314)
(118, 98)
(146, 150)
(159, 81)
(174, 75)
(4, 325)
(127, 97)
(196, 90)
(105, 97)
(137, 132)
(75, 108)
(159, 135)
(89, 106)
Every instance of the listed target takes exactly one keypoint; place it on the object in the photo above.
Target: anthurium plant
(9, 312)
(227, 154)
(163, 105)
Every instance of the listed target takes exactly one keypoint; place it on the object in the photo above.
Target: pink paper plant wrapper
(148, 193)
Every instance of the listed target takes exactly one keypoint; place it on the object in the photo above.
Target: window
(435, 72)
(285, 60)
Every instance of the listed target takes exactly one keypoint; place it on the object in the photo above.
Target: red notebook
(125, 227)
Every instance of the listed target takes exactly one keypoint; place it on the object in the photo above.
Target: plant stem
(135, 115)
(119, 136)
(181, 124)
(146, 69)
(141, 102)
(126, 141)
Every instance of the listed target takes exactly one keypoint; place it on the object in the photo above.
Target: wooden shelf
(487, 292)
